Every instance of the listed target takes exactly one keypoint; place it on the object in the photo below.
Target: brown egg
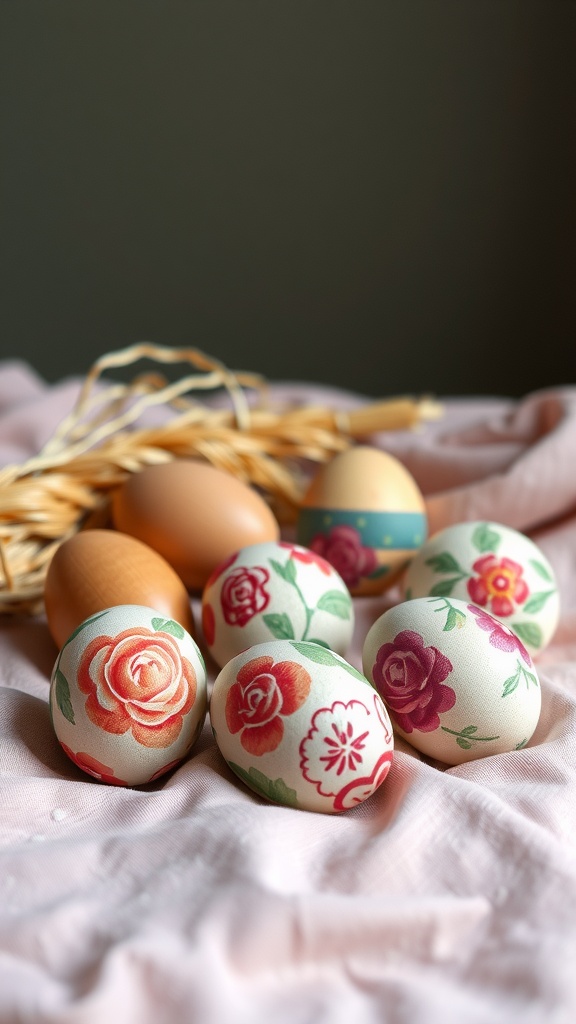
(193, 514)
(97, 569)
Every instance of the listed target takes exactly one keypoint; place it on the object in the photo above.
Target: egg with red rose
(458, 684)
(275, 590)
(128, 695)
(300, 726)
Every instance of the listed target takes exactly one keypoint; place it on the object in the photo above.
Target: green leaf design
(485, 539)
(465, 738)
(529, 633)
(537, 601)
(280, 626)
(444, 587)
(444, 562)
(169, 626)
(315, 640)
(454, 620)
(336, 603)
(62, 692)
(273, 789)
(542, 570)
(409, 594)
(377, 573)
(511, 684)
(521, 744)
(287, 571)
(324, 656)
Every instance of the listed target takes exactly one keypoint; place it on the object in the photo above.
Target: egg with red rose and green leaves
(457, 683)
(364, 513)
(275, 590)
(128, 695)
(300, 726)
(497, 568)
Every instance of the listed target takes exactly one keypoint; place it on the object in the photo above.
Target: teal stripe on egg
(405, 531)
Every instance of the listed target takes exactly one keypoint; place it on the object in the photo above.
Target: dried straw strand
(55, 493)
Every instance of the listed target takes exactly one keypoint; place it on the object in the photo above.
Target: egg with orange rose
(128, 695)
(300, 726)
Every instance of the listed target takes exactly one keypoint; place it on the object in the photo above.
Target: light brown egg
(193, 514)
(97, 569)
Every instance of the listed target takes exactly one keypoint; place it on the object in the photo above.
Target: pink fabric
(447, 897)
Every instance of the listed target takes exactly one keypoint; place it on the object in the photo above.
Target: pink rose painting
(244, 594)
(409, 678)
(342, 547)
(500, 636)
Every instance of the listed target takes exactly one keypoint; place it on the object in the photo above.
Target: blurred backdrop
(378, 195)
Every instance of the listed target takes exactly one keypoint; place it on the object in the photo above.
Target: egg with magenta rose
(458, 684)
(128, 695)
(364, 513)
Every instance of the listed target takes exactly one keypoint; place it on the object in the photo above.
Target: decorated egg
(301, 727)
(365, 514)
(128, 695)
(193, 514)
(495, 567)
(275, 591)
(458, 683)
(96, 569)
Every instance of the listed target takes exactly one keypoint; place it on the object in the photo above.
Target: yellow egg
(364, 513)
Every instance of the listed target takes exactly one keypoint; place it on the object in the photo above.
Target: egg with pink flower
(458, 684)
(128, 695)
(302, 727)
(275, 590)
(365, 514)
(497, 568)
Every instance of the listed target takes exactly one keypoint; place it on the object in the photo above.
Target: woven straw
(66, 487)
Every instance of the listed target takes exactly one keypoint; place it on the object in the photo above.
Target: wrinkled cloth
(448, 896)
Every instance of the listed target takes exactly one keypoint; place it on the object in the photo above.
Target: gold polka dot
(327, 520)
(387, 540)
(360, 522)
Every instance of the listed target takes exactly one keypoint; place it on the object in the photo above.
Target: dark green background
(376, 195)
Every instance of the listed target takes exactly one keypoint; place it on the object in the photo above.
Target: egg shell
(301, 727)
(272, 591)
(458, 683)
(96, 569)
(366, 515)
(128, 695)
(193, 514)
(497, 568)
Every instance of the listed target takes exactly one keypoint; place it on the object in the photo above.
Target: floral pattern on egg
(497, 568)
(128, 695)
(458, 684)
(275, 590)
(301, 727)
